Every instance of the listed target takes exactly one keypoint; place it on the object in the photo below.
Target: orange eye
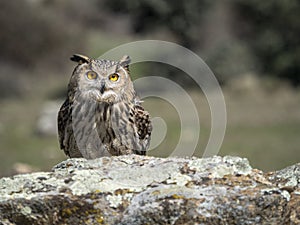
(113, 77)
(91, 75)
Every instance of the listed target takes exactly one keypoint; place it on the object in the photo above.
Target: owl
(102, 114)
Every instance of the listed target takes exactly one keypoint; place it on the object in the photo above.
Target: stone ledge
(146, 190)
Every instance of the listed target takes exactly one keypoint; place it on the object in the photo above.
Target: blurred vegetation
(31, 33)
(252, 47)
(245, 35)
(234, 36)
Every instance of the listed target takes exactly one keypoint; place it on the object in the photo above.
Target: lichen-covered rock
(146, 190)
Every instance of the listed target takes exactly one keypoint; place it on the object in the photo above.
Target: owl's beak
(105, 94)
(102, 87)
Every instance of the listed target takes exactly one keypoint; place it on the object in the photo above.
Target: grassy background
(233, 37)
(263, 125)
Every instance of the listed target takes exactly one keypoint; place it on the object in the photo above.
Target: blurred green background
(251, 46)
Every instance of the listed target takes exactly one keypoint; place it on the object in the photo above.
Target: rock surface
(146, 190)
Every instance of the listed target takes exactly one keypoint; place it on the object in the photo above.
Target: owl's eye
(113, 77)
(91, 75)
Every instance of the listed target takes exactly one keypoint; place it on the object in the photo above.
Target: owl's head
(102, 80)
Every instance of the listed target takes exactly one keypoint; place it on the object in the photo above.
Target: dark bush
(272, 30)
(260, 36)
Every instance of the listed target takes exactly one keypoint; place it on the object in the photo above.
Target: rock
(146, 190)
(47, 122)
(20, 168)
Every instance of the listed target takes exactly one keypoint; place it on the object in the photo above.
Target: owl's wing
(143, 125)
(62, 120)
(132, 126)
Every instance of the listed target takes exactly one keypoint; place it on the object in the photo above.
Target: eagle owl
(102, 115)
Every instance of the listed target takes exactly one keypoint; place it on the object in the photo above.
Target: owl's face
(103, 80)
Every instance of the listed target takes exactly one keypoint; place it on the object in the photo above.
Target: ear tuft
(80, 59)
(125, 61)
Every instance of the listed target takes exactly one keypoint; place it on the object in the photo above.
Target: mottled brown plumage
(102, 114)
